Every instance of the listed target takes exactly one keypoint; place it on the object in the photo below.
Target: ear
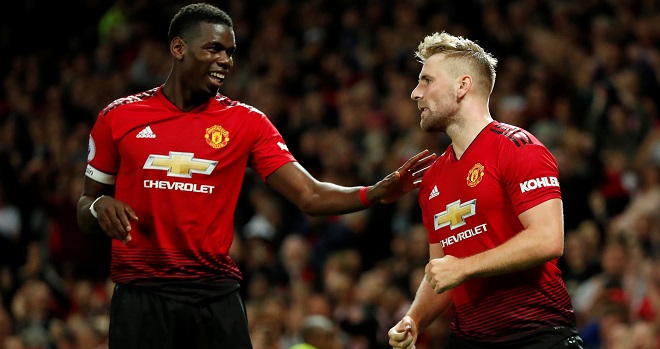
(464, 85)
(177, 46)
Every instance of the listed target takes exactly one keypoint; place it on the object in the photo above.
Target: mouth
(217, 77)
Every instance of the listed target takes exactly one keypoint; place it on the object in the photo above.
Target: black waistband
(190, 291)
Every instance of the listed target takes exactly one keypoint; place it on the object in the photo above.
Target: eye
(218, 48)
(424, 80)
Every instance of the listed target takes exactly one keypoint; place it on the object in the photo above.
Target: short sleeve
(270, 151)
(102, 152)
(532, 176)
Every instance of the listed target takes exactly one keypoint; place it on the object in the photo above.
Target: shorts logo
(475, 175)
(216, 136)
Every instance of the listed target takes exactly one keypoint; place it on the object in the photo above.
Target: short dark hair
(189, 16)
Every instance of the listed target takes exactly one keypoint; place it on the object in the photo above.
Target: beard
(440, 118)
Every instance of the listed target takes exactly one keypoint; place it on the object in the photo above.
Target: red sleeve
(102, 151)
(532, 176)
(269, 152)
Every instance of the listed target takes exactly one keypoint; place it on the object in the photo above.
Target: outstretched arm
(322, 198)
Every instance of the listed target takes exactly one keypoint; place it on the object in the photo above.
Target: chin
(212, 90)
(426, 126)
(431, 128)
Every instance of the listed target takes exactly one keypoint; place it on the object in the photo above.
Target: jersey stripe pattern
(505, 315)
(173, 264)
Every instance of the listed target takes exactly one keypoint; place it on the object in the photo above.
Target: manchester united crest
(216, 136)
(475, 175)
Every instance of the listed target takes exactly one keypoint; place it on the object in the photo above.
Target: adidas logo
(146, 133)
(434, 192)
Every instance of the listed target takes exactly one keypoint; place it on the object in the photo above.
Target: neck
(463, 132)
(182, 97)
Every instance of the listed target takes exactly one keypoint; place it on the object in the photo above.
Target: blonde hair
(462, 49)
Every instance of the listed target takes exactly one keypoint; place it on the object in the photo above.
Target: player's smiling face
(210, 56)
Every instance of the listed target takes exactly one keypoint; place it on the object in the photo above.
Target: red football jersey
(472, 205)
(182, 173)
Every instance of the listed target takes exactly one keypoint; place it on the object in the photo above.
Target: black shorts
(551, 338)
(142, 319)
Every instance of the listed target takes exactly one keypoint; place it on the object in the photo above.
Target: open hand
(404, 179)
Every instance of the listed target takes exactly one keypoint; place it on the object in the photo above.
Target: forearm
(527, 249)
(323, 198)
(332, 199)
(428, 306)
(313, 197)
(541, 240)
(86, 221)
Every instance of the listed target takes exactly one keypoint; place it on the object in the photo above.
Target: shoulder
(515, 148)
(510, 135)
(256, 120)
(225, 102)
(133, 99)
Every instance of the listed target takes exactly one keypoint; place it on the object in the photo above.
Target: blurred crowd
(335, 77)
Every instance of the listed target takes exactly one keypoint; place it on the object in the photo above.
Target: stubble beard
(439, 121)
(442, 114)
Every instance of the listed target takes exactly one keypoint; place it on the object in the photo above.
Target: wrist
(413, 320)
(92, 209)
(364, 198)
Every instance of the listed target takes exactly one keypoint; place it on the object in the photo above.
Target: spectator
(318, 332)
(345, 71)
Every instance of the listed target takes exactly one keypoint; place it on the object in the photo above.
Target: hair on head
(189, 16)
(459, 48)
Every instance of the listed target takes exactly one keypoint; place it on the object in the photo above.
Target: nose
(224, 58)
(416, 94)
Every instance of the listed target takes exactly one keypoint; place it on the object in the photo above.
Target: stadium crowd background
(335, 77)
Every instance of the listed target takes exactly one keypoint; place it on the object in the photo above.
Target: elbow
(83, 225)
(555, 249)
(84, 222)
(308, 207)
(80, 220)
(546, 249)
(557, 253)
(313, 213)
